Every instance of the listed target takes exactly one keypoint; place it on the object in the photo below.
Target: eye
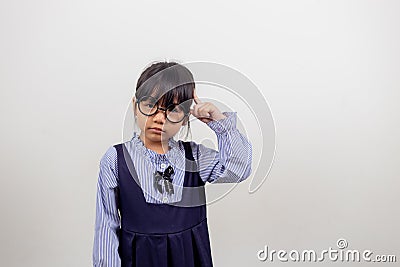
(175, 109)
(150, 105)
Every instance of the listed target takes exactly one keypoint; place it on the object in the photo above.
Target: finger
(204, 110)
(200, 116)
(196, 98)
(196, 110)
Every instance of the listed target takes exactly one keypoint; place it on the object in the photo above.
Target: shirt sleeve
(232, 162)
(105, 248)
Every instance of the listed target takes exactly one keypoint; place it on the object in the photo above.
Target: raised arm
(232, 162)
(105, 247)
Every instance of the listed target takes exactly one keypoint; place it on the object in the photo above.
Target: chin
(157, 137)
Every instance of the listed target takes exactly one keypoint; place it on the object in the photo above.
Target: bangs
(171, 85)
(182, 94)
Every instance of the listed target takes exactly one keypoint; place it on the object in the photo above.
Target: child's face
(148, 126)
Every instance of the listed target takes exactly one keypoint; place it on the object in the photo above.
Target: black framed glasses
(174, 113)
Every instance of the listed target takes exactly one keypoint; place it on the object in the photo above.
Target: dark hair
(167, 82)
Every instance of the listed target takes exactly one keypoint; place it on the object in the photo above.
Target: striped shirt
(230, 164)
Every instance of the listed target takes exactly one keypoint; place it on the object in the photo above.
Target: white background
(329, 70)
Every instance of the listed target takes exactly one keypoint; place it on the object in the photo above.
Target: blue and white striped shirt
(230, 164)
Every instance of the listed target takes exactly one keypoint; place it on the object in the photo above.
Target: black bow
(164, 177)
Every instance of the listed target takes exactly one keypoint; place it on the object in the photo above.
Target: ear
(134, 106)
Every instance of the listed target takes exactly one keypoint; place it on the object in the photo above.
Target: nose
(159, 116)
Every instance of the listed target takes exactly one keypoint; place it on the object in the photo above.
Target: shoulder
(188, 145)
(109, 158)
(197, 149)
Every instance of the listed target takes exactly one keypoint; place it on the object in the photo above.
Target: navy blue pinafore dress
(162, 235)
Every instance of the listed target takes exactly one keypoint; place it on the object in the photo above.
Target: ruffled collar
(174, 154)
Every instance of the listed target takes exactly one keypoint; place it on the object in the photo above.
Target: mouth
(156, 130)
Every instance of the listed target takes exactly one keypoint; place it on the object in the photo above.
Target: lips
(156, 129)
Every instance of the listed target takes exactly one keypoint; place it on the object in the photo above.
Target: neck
(161, 147)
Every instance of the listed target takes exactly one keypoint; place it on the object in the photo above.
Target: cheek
(142, 121)
(177, 127)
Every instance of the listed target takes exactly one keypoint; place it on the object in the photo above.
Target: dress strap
(190, 163)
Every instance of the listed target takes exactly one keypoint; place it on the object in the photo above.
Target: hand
(205, 111)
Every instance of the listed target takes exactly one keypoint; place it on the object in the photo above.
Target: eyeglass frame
(159, 108)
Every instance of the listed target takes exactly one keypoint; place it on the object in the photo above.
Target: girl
(150, 208)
